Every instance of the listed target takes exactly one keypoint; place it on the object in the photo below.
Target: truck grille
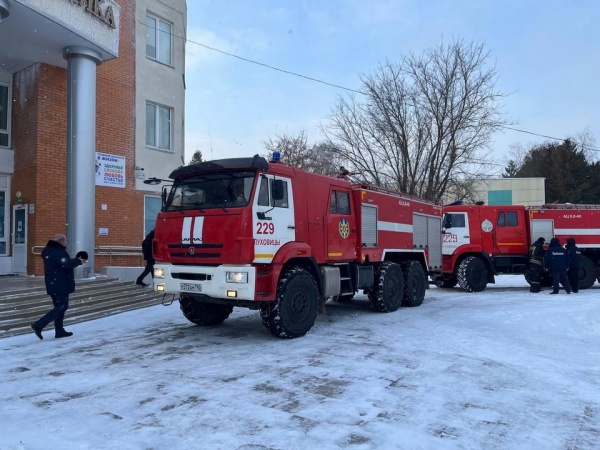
(193, 250)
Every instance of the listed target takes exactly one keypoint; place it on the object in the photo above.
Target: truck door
(456, 232)
(273, 217)
(510, 235)
(341, 227)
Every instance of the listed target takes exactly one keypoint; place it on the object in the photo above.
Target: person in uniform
(60, 282)
(574, 264)
(557, 262)
(536, 264)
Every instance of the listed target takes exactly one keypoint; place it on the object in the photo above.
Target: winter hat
(570, 242)
(82, 254)
(554, 242)
(540, 240)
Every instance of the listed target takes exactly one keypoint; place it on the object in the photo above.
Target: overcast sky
(546, 53)
(498, 370)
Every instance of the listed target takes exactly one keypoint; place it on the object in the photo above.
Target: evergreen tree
(196, 157)
(565, 169)
(511, 170)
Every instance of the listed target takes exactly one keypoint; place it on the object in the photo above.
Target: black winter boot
(62, 333)
(37, 331)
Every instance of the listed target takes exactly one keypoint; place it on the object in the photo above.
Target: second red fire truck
(482, 241)
(253, 233)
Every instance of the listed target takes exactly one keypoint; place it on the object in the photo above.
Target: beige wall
(525, 191)
(163, 85)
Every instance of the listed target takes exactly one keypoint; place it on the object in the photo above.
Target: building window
(152, 206)
(158, 40)
(158, 126)
(4, 115)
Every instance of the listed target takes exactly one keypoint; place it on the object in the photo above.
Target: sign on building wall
(110, 170)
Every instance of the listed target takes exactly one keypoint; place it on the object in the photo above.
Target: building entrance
(19, 239)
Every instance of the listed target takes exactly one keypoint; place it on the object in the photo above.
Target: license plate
(189, 287)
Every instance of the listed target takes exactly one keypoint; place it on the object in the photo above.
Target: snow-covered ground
(502, 369)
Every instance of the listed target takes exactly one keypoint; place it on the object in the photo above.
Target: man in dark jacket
(60, 282)
(574, 264)
(536, 260)
(557, 262)
(147, 252)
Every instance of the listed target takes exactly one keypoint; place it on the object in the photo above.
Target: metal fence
(106, 250)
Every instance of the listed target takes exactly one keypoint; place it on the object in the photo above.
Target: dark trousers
(535, 275)
(573, 275)
(149, 269)
(562, 278)
(57, 314)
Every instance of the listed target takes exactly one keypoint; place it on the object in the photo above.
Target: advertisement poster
(110, 170)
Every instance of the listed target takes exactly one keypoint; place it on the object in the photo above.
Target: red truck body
(257, 234)
(481, 241)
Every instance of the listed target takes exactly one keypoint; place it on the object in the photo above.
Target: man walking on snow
(60, 282)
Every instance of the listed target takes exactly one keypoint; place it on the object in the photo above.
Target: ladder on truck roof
(565, 206)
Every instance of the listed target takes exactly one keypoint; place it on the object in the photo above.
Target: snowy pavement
(503, 369)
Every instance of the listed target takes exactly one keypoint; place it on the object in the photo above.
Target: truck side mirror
(447, 221)
(277, 189)
(164, 194)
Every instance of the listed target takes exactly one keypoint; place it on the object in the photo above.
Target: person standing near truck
(536, 262)
(148, 257)
(557, 262)
(574, 264)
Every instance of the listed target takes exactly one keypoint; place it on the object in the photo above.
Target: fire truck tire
(388, 288)
(203, 314)
(295, 310)
(414, 283)
(587, 273)
(472, 274)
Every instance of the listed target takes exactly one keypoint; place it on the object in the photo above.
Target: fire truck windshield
(212, 190)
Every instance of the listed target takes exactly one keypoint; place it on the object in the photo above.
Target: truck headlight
(236, 277)
(159, 273)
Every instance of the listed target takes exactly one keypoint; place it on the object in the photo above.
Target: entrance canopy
(38, 31)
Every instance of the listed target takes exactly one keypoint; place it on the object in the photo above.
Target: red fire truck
(253, 233)
(481, 241)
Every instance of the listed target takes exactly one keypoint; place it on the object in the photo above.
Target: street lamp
(153, 181)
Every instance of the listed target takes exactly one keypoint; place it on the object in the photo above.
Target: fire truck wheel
(295, 310)
(203, 314)
(388, 289)
(414, 283)
(587, 273)
(472, 274)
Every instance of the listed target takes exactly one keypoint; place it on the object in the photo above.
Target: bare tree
(424, 123)
(320, 158)
(293, 149)
(587, 143)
